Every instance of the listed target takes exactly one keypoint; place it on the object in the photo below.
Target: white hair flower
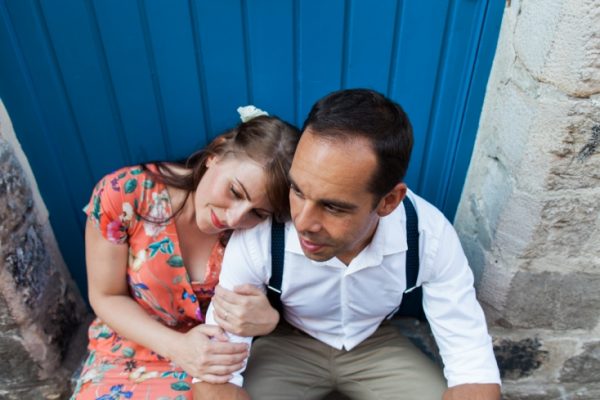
(250, 112)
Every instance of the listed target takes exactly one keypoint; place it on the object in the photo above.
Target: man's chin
(315, 256)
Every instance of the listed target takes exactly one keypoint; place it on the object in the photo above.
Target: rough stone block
(548, 391)
(26, 260)
(583, 368)
(553, 300)
(518, 359)
(45, 390)
(63, 313)
(566, 226)
(559, 43)
(531, 394)
(16, 202)
(40, 309)
(7, 322)
(17, 364)
(577, 163)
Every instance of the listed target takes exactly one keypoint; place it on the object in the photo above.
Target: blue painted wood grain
(92, 85)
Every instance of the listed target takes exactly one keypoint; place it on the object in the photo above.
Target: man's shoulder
(431, 220)
(259, 233)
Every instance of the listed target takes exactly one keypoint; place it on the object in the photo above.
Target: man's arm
(473, 391)
(225, 391)
(245, 260)
(458, 322)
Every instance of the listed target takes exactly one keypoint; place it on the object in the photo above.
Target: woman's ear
(391, 200)
(211, 160)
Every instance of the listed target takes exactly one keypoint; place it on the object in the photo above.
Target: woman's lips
(216, 222)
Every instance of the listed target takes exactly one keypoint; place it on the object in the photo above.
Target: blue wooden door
(93, 85)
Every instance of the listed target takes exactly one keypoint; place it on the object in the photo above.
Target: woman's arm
(211, 361)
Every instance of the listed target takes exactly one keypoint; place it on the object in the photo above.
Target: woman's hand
(211, 361)
(245, 312)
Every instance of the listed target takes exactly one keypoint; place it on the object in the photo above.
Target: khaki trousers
(290, 365)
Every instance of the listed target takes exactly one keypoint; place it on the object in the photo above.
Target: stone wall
(42, 315)
(529, 217)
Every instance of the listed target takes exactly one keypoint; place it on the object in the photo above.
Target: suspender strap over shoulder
(411, 300)
(277, 254)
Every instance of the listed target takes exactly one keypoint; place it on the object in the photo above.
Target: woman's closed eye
(261, 214)
(237, 194)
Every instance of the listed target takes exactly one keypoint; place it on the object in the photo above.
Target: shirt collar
(389, 238)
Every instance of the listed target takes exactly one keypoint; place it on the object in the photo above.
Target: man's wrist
(215, 391)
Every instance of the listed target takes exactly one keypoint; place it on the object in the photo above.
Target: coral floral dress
(117, 368)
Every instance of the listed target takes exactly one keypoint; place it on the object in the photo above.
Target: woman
(155, 238)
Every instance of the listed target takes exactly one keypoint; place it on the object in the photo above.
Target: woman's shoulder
(136, 170)
(129, 178)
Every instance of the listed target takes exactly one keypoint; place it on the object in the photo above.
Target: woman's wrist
(167, 345)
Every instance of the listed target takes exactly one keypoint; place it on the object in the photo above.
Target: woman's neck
(182, 202)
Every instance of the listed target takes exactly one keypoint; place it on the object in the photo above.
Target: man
(345, 272)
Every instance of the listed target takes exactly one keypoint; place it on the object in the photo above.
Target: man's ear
(391, 200)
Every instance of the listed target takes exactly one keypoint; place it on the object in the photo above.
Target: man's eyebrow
(292, 183)
(244, 189)
(338, 204)
(327, 202)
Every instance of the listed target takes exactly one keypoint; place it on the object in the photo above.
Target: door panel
(93, 85)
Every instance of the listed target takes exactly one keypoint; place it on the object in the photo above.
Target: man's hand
(473, 391)
(227, 391)
(245, 312)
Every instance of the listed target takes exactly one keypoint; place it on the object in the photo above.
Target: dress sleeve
(111, 207)
(456, 318)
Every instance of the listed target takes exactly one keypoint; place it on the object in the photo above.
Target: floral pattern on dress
(129, 206)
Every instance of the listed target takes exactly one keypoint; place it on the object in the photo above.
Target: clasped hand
(245, 312)
(209, 360)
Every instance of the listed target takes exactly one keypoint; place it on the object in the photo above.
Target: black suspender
(412, 300)
(277, 252)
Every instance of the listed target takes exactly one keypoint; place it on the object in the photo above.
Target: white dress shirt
(343, 305)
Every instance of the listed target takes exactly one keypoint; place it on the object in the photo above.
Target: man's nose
(307, 219)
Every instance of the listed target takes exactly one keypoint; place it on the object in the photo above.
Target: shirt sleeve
(455, 316)
(246, 258)
(111, 207)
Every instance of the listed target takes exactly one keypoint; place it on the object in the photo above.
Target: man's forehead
(333, 162)
(330, 145)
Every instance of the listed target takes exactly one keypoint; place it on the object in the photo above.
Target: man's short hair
(352, 113)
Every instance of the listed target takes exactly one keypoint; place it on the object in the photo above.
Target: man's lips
(216, 222)
(311, 246)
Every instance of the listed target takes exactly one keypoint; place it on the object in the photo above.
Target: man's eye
(295, 191)
(332, 209)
